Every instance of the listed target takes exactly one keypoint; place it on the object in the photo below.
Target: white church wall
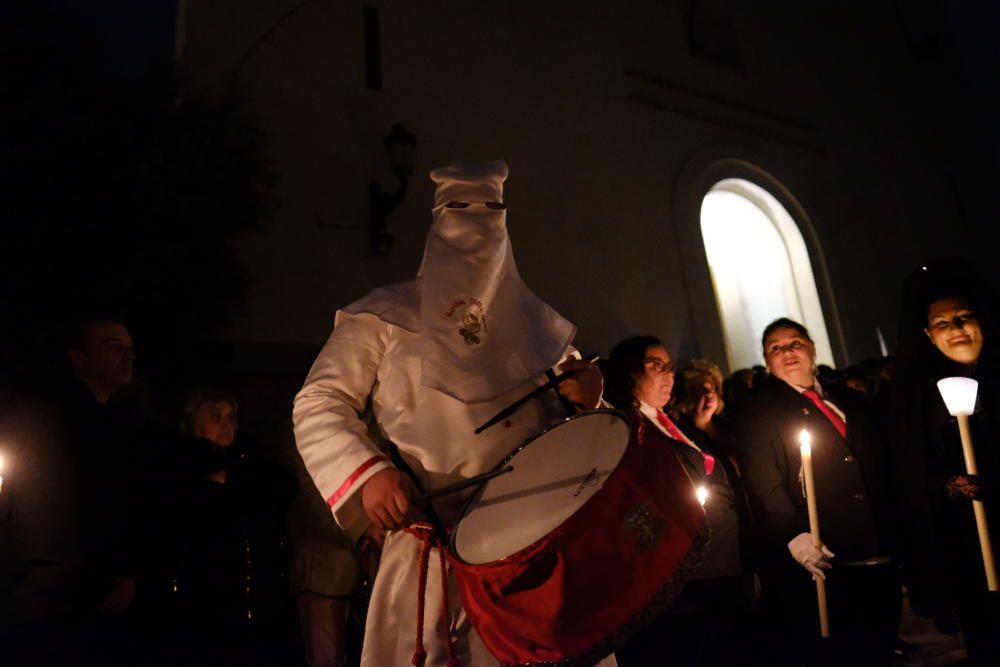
(610, 126)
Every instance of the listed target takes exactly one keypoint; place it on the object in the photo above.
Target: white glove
(813, 559)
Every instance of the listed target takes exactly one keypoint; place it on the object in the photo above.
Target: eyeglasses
(794, 346)
(495, 205)
(658, 365)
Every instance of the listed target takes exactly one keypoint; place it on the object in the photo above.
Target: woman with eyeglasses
(946, 329)
(701, 627)
(851, 475)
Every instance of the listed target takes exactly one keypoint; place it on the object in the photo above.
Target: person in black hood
(948, 327)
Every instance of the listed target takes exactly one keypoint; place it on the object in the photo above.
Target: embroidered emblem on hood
(473, 320)
(470, 329)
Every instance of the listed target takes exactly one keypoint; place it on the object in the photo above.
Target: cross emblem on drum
(645, 525)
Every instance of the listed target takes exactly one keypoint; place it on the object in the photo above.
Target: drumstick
(464, 484)
(513, 407)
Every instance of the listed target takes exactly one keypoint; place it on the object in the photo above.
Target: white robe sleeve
(330, 432)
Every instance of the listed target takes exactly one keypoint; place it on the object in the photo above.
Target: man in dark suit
(850, 470)
(74, 511)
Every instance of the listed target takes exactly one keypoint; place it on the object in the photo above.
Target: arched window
(760, 269)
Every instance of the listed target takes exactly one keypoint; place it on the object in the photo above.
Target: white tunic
(369, 368)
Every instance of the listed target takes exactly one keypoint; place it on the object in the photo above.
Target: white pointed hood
(484, 332)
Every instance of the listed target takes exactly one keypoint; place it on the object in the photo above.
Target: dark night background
(203, 167)
(124, 194)
(207, 190)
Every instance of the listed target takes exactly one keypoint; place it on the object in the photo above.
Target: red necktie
(677, 434)
(835, 419)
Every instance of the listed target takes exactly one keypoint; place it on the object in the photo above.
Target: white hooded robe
(400, 367)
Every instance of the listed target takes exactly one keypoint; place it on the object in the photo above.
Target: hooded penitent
(484, 332)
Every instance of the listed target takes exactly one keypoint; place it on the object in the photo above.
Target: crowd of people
(892, 485)
(127, 543)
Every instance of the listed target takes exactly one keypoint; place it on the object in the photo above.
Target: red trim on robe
(352, 478)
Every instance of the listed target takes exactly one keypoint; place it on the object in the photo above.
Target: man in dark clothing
(71, 504)
(854, 511)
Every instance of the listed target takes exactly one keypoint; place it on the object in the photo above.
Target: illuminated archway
(760, 269)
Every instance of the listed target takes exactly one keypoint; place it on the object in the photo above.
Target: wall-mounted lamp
(399, 145)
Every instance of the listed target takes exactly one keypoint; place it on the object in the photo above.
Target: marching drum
(593, 531)
(553, 475)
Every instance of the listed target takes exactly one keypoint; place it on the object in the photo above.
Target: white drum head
(554, 474)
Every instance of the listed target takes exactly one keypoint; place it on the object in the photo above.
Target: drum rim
(475, 495)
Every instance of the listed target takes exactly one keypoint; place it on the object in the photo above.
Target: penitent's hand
(386, 498)
(585, 386)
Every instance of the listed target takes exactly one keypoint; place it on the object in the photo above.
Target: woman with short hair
(228, 586)
(698, 398)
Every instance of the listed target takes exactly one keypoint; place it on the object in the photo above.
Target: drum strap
(428, 535)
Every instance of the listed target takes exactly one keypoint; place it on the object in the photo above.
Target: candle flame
(805, 440)
(702, 494)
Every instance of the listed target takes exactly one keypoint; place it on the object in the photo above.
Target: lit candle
(702, 494)
(1, 473)
(959, 395)
(805, 449)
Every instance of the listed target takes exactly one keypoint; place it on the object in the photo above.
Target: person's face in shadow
(104, 360)
(857, 384)
(706, 398)
(954, 330)
(217, 423)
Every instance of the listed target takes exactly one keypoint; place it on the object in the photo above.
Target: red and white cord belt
(430, 539)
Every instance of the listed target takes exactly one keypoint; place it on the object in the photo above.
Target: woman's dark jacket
(229, 552)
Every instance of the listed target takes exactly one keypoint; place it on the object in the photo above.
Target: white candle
(805, 445)
(805, 449)
(959, 394)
